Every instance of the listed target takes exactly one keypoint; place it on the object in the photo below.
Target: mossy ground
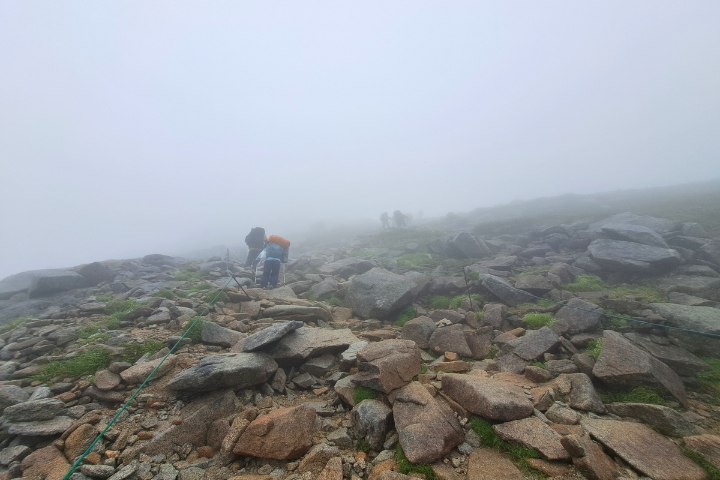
(538, 320)
(363, 393)
(409, 313)
(490, 439)
(84, 363)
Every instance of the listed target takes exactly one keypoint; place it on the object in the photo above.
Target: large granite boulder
(96, 273)
(584, 320)
(534, 343)
(378, 293)
(659, 225)
(214, 334)
(463, 245)
(618, 255)
(665, 420)
(347, 267)
(34, 410)
(504, 291)
(702, 286)
(298, 313)
(711, 251)
(419, 331)
(269, 335)
(702, 319)
(227, 370)
(41, 282)
(283, 434)
(634, 233)
(139, 372)
(371, 421)
(534, 433)
(491, 399)
(622, 363)
(535, 284)
(644, 449)
(427, 429)
(450, 339)
(680, 360)
(387, 365)
(307, 342)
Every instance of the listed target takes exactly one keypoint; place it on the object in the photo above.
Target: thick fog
(129, 128)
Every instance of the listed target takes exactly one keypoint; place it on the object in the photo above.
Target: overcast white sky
(139, 127)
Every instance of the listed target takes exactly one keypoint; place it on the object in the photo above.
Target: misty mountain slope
(404, 350)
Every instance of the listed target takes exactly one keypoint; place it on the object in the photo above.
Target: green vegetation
(364, 393)
(133, 351)
(164, 293)
(104, 297)
(406, 467)
(713, 473)
(362, 446)
(455, 302)
(709, 381)
(586, 283)
(335, 301)
(439, 301)
(611, 323)
(534, 270)
(194, 329)
(473, 275)
(479, 316)
(11, 325)
(186, 276)
(118, 311)
(490, 439)
(645, 294)
(84, 363)
(538, 320)
(494, 350)
(414, 260)
(442, 302)
(405, 316)
(112, 323)
(641, 394)
(88, 330)
(594, 348)
(221, 296)
(538, 364)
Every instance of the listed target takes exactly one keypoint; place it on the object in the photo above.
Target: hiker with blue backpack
(275, 252)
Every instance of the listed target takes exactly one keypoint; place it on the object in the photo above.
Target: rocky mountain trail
(409, 353)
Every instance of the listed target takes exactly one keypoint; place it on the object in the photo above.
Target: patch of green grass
(409, 313)
(186, 276)
(14, 323)
(490, 439)
(473, 275)
(641, 394)
(538, 364)
(414, 260)
(538, 320)
(494, 350)
(406, 467)
(594, 348)
(164, 293)
(363, 393)
(534, 270)
(222, 297)
(194, 329)
(133, 351)
(611, 323)
(586, 283)
(104, 297)
(362, 446)
(455, 302)
(646, 294)
(335, 301)
(84, 363)
(199, 287)
(713, 473)
(112, 323)
(117, 306)
(479, 316)
(88, 330)
(709, 381)
(440, 301)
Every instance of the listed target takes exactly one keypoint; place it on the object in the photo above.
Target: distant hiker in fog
(256, 241)
(276, 252)
(399, 218)
(385, 219)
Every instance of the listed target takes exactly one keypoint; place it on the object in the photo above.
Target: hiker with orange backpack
(276, 252)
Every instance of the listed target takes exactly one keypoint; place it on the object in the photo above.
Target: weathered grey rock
(451, 315)
(387, 365)
(698, 285)
(583, 395)
(167, 472)
(11, 395)
(419, 331)
(304, 380)
(504, 291)
(348, 358)
(491, 464)
(557, 367)
(228, 370)
(371, 421)
(703, 319)
(324, 289)
(534, 433)
(427, 430)
(306, 342)
(488, 398)
(158, 259)
(659, 225)
(634, 233)
(34, 410)
(617, 255)
(106, 380)
(41, 428)
(97, 471)
(378, 293)
(511, 363)
(138, 373)
(269, 335)
(562, 414)
(14, 454)
(345, 389)
(319, 366)
(38, 283)
(665, 420)
(643, 448)
(317, 458)
(680, 360)
(464, 245)
(689, 300)
(347, 267)
(707, 445)
(623, 363)
(96, 273)
(494, 314)
(534, 343)
(580, 320)
(711, 251)
(535, 284)
(341, 438)
(214, 334)
(450, 339)
(298, 313)
(589, 458)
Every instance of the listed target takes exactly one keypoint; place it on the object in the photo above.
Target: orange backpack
(279, 240)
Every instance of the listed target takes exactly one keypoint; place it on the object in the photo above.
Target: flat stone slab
(645, 449)
(306, 342)
(488, 398)
(703, 319)
(297, 312)
(706, 445)
(534, 343)
(42, 428)
(618, 255)
(534, 433)
(228, 370)
(271, 334)
(490, 464)
(666, 420)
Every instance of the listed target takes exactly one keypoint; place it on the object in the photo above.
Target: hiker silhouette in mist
(399, 218)
(385, 219)
(256, 241)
